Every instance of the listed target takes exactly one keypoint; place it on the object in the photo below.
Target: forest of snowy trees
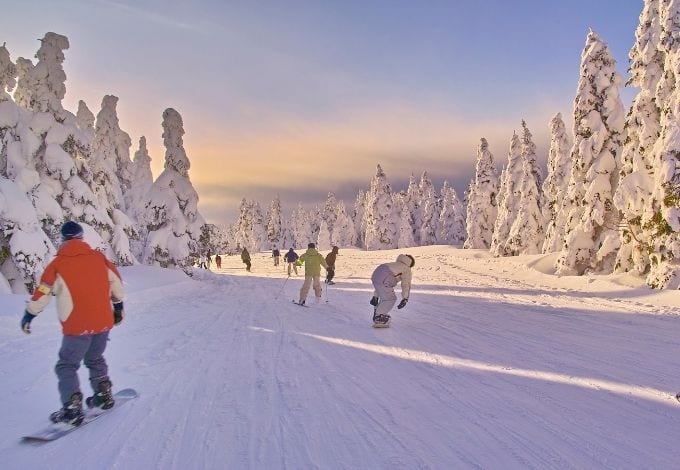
(610, 201)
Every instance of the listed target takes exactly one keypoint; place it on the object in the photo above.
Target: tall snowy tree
(344, 233)
(451, 218)
(591, 219)
(528, 229)
(482, 207)
(171, 217)
(555, 184)
(381, 230)
(358, 218)
(508, 199)
(8, 74)
(428, 212)
(301, 227)
(274, 228)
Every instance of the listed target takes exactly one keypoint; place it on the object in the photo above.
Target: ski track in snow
(482, 369)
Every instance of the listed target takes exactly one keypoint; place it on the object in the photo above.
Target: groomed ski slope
(492, 364)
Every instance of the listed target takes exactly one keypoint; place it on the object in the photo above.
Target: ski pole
(282, 287)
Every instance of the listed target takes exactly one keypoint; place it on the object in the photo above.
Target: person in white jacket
(384, 278)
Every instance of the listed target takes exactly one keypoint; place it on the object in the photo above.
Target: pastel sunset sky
(299, 98)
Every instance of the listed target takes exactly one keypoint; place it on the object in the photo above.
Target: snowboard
(55, 431)
(381, 325)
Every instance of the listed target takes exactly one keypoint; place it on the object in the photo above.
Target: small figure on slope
(291, 259)
(313, 262)
(276, 254)
(384, 278)
(218, 261)
(245, 257)
(85, 283)
(330, 261)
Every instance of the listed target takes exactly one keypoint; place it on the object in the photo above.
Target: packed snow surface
(494, 363)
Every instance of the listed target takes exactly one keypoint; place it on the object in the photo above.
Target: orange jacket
(85, 283)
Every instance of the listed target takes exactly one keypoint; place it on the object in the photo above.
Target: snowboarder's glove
(118, 313)
(374, 301)
(402, 304)
(26, 322)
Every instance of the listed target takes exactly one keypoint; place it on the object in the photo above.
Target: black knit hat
(71, 230)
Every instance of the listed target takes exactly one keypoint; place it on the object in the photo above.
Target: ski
(299, 304)
(381, 325)
(56, 430)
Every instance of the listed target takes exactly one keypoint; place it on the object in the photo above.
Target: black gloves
(402, 304)
(118, 313)
(374, 301)
(26, 322)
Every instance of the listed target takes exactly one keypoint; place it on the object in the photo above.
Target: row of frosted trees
(380, 219)
(57, 166)
(611, 199)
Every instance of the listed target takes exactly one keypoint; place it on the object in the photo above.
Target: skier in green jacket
(313, 261)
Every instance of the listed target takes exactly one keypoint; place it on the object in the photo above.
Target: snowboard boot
(374, 301)
(103, 398)
(381, 319)
(71, 413)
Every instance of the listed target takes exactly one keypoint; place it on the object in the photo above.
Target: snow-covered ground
(494, 363)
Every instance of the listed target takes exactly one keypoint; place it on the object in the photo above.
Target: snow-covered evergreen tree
(381, 229)
(481, 207)
(344, 233)
(527, 232)
(555, 184)
(330, 212)
(301, 227)
(508, 199)
(592, 220)
(451, 218)
(142, 180)
(428, 212)
(171, 217)
(405, 230)
(358, 218)
(274, 228)
(411, 204)
(323, 241)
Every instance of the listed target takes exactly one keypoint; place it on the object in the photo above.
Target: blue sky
(299, 98)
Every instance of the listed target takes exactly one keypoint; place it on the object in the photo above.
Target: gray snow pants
(75, 349)
(383, 282)
(309, 280)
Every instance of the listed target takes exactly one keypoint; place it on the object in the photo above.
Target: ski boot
(103, 398)
(71, 413)
(374, 301)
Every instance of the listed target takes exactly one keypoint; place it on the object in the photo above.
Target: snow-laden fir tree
(428, 212)
(171, 217)
(358, 217)
(323, 240)
(591, 223)
(633, 196)
(661, 221)
(555, 184)
(344, 233)
(274, 228)
(411, 205)
(481, 206)
(381, 226)
(330, 212)
(451, 218)
(508, 199)
(527, 232)
(301, 227)
(111, 159)
(259, 227)
(405, 230)
(142, 180)
(249, 227)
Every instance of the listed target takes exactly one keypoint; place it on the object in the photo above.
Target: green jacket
(313, 262)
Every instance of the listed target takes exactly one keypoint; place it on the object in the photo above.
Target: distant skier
(313, 262)
(291, 258)
(218, 261)
(384, 278)
(245, 257)
(85, 284)
(330, 261)
(276, 254)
